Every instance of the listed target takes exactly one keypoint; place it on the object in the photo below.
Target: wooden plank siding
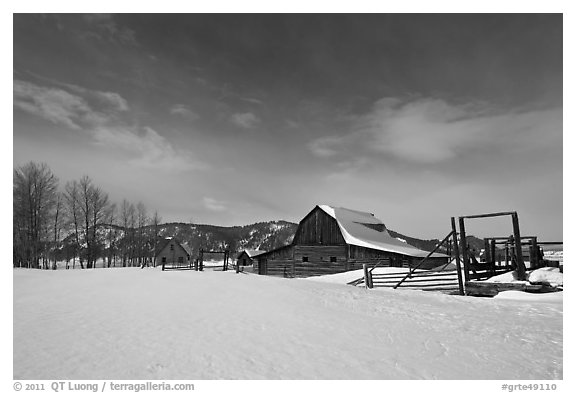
(318, 228)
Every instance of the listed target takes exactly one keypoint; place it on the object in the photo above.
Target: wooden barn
(334, 240)
(246, 257)
(173, 253)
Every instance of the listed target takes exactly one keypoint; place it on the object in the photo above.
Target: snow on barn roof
(364, 230)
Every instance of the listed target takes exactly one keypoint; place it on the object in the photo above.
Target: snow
(552, 297)
(148, 324)
(351, 275)
(354, 232)
(545, 275)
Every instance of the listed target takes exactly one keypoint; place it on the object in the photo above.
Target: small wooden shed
(173, 253)
(246, 257)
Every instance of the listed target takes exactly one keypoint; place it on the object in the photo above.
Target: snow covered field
(149, 324)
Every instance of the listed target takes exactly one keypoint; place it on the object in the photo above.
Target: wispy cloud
(105, 27)
(214, 205)
(251, 100)
(56, 105)
(326, 146)
(432, 130)
(184, 111)
(96, 114)
(149, 148)
(245, 120)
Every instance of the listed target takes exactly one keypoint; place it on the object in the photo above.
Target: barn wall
(289, 261)
(361, 255)
(318, 228)
(319, 260)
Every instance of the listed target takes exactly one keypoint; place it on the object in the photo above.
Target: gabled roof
(164, 243)
(252, 253)
(364, 230)
(186, 248)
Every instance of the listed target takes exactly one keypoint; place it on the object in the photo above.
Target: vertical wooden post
(534, 254)
(367, 278)
(457, 256)
(464, 249)
(493, 252)
(520, 268)
(487, 257)
(507, 254)
(201, 262)
(347, 266)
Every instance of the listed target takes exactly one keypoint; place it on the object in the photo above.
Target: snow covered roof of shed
(364, 230)
(252, 253)
(186, 248)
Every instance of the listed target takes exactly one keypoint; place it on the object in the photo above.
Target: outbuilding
(246, 257)
(173, 253)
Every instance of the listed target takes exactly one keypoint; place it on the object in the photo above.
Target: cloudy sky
(233, 119)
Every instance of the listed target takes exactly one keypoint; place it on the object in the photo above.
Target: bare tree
(126, 213)
(72, 197)
(33, 200)
(93, 205)
(156, 220)
(85, 191)
(132, 234)
(112, 232)
(100, 203)
(57, 226)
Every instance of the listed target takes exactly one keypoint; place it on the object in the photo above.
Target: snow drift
(149, 324)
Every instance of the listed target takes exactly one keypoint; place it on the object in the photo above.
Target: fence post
(367, 276)
(464, 249)
(521, 268)
(457, 256)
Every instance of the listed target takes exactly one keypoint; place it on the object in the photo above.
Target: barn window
(163, 259)
(171, 247)
(332, 259)
(304, 259)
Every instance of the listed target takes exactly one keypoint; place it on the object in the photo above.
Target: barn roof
(364, 230)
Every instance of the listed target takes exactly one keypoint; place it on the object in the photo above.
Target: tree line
(77, 224)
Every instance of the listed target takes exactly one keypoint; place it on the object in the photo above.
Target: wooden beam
(489, 215)
(457, 256)
(520, 268)
(367, 280)
(424, 260)
(464, 249)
